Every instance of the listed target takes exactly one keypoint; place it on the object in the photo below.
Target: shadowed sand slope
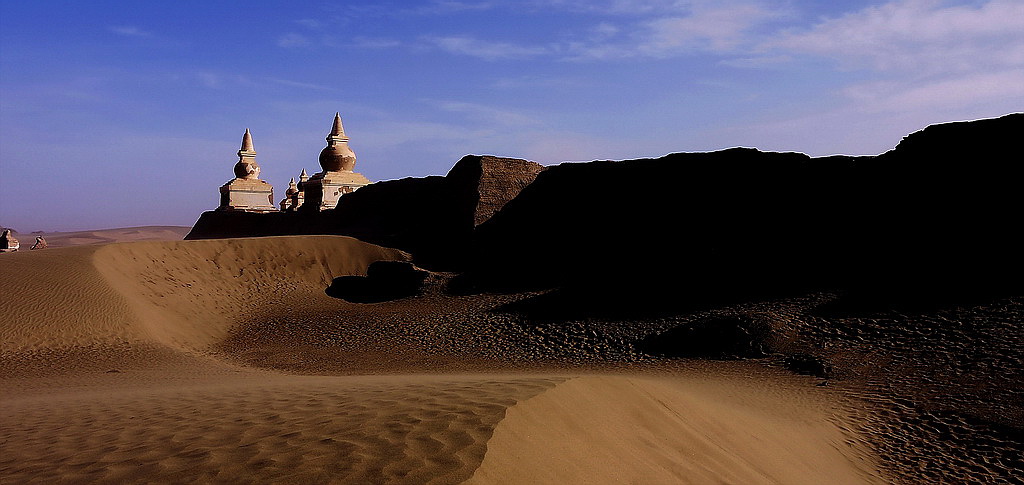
(191, 293)
(184, 294)
(706, 430)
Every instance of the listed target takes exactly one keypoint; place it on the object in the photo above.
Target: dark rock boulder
(384, 281)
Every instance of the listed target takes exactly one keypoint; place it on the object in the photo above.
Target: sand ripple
(284, 429)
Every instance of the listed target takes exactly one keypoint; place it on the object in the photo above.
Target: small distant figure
(40, 243)
(8, 243)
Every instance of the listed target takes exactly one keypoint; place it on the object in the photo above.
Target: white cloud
(946, 93)
(715, 29)
(489, 51)
(699, 27)
(918, 35)
(130, 31)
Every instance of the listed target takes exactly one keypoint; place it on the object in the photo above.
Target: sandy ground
(223, 361)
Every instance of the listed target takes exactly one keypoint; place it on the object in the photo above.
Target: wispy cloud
(497, 116)
(946, 93)
(615, 7)
(376, 42)
(918, 35)
(297, 84)
(486, 50)
(706, 28)
(130, 31)
(292, 40)
(653, 29)
(927, 61)
(536, 82)
(450, 6)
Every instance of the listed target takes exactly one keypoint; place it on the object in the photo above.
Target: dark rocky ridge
(932, 217)
(433, 217)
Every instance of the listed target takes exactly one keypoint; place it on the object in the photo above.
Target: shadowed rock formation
(433, 217)
(930, 218)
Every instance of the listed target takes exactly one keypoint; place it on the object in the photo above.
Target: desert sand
(106, 236)
(223, 361)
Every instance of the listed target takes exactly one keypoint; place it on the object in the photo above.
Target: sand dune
(703, 429)
(114, 368)
(185, 294)
(282, 429)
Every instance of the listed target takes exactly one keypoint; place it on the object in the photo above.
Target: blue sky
(130, 113)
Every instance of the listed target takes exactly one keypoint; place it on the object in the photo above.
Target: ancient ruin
(246, 192)
(338, 161)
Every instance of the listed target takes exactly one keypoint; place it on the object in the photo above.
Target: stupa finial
(247, 141)
(337, 130)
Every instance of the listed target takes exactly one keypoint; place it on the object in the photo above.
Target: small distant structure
(246, 192)
(39, 244)
(286, 202)
(295, 196)
(8, 243)
(338, 161)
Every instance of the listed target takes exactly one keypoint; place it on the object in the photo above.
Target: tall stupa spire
(247, 141)
(337, 129)
(337, 156)
(247, 168)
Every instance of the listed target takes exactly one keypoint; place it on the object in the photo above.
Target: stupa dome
(337, 156)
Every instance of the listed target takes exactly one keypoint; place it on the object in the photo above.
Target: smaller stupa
(246, 192)
(287, 203)
(299, 197)
(338, 161)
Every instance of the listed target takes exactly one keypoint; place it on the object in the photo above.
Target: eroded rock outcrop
(933, 215)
